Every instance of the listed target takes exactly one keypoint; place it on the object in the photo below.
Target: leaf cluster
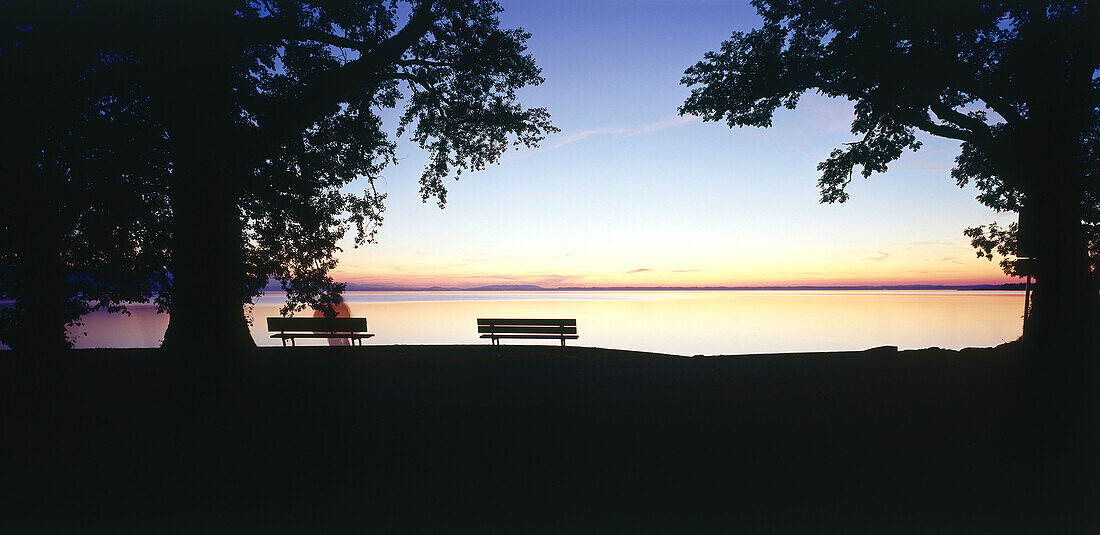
(951, 69)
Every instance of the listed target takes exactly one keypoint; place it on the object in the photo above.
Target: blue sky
(629, 193)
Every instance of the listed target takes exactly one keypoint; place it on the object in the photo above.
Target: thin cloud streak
(663, 124)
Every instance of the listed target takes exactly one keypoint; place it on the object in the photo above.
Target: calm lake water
(684, 323)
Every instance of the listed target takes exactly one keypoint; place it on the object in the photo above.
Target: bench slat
(320, 335)
(539, 330)
(317, 324)
(533, 336)
(520, 321)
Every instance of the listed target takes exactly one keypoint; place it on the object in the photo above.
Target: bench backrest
(331, 325)
(526, 326)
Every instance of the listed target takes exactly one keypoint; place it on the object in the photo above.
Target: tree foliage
(83, 170)
(282, 104)
(973, 166)
(950, 69)
(458, 76)
(1014, 81)
(230, 132)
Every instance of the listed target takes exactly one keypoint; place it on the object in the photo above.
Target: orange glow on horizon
(654, 279)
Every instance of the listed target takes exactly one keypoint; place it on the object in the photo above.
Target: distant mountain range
(533, 288)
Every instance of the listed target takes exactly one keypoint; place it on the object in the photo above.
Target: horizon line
(533, 287)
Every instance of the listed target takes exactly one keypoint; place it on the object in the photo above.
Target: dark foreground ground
(533, 439)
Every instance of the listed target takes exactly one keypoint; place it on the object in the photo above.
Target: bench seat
(533, 336)
(289, 336)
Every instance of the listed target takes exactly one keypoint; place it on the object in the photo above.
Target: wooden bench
(549, 329)
(291, 328)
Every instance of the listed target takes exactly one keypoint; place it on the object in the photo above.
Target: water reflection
(684, 323)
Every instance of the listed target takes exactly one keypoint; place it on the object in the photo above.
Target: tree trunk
(206, 311)
(207, 314)
(42, 304)
(42, 310)
(1066, 308)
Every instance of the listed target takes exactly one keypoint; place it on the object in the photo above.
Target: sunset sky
(631, 194)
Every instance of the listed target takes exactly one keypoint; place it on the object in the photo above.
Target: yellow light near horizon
(837, 271)
(747, 261)
(719, 322)
(683, 322)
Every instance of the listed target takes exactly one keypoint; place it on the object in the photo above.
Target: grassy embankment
(406, 437)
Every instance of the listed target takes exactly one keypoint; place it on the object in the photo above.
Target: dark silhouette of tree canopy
(995, 240)
(84, 205)
(1014, 81)
(231, 129)
(272, 107)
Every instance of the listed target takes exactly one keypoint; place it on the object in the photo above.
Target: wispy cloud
(928, 161)
(881, 256)
(639, 270)
(953, 260)
(825, 114)
(554, 279)
(538, 195)
(619, 131)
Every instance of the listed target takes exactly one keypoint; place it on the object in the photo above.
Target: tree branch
(945, 131)
(417, 80)
(959, 119)
(325, 91)
(996, 103)
(310, 34)
(278, 29)
(1004, 109)
(391, 50)
(424, 63)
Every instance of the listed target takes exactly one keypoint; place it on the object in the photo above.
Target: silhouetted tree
(1014, 81)
(83, 206)
(271, 107)
(995, 240)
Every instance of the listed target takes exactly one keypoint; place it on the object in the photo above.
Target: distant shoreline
(1011, 287)
(533, 288)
